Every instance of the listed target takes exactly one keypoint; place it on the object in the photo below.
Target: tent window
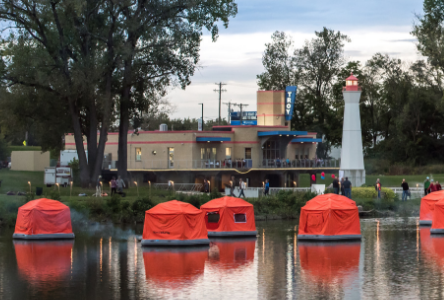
(240, 218)
(213, 217)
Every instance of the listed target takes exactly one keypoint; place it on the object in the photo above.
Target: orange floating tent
(438, 218)
(332, 262)
(428, 206)
(174, 223)
(229, 216)
(43, 219)
(172, 268)
(329, 217)
(227, 255)
(43, 261)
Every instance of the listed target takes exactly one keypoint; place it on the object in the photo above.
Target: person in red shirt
(432, 187)
(438, 186)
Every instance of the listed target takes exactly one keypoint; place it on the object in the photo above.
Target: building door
(170, 158)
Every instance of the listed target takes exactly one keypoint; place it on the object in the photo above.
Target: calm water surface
(396, 259)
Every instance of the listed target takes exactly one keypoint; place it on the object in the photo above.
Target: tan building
(256, 152)
(29, 160)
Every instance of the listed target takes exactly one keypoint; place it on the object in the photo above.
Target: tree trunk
(123, 142)
(78, 138)
(92, 140)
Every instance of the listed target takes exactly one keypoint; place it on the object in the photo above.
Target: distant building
(266, 148)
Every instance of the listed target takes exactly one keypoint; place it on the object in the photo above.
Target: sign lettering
(290, 92)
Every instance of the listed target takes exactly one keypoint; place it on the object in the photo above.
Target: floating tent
(173, 268)
(329, 217)
(428, 206)
(227, 255)
(43, 219)
(329, 263)
(174, 223)
(438, 218)
(43, 261)
(229, 216)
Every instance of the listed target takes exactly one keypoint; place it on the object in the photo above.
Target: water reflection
(230, 254)
(174, 268)
(44, 261)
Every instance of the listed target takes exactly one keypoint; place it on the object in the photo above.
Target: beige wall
(29, 160)
(271, 108)
(187, 152)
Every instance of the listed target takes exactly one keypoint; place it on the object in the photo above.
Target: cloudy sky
(235, 59)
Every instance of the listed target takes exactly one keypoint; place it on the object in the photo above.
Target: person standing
(336, 185)
(267, 187)
(405, 190)
(432, 187)
(242, 187)
(347, 188)
(438, 186)
(426, 186)
(378, 188)
(120, 185)
(113, 186)
(342, 187)
(206, 186)
(99, 186)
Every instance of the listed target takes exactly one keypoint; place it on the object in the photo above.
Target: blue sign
(290, 96)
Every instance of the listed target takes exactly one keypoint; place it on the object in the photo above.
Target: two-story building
(269, 149)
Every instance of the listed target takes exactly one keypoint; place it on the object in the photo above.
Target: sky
(236, 57)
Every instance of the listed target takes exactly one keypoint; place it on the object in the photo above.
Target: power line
(220, 91)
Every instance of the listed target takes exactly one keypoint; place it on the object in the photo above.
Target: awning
(280, 133)
(306, 140)
(212, 139)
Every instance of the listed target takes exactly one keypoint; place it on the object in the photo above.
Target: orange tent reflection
(228, 254)
(331, 261)
(43, 261)
(174, 267)
(432, 246)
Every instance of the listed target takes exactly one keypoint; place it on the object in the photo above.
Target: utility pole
(220, 91)
(229, 109)
(202, 121)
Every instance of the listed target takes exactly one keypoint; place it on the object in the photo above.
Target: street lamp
(149, 183)
(202, 115)
(70, 190)
(135, 182)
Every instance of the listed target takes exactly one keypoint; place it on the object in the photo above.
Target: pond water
(395, 259)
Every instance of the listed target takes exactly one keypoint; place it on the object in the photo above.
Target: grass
(23, 148)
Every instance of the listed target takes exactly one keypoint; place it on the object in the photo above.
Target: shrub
(139, 207)
(364, 192)
(54, 195)
(114, 203)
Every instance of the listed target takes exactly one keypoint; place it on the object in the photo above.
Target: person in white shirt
(242, 187)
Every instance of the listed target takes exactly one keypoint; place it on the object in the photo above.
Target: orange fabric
(43, 216)
(227, 207)
(229, 255)
(174, 220)
(43, 261)
(438, 215)
(330, 214)
(428, 205)
(174, 268)
(329, 262)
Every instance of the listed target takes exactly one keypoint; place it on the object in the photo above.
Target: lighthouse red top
(351, 83)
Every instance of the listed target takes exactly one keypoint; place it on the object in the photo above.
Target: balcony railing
(243, 164)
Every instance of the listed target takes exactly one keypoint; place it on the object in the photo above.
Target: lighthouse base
(356, 177)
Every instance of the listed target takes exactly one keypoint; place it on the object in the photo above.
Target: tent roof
(434, 196)
(44, 204)
(174, 207)
(330, 201)
(226, 202)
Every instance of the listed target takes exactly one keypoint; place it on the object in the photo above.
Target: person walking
(120, 185)
(242, 187)
(347, 188)
(232, 187)
(378, 188)
(267, 187)
(113, 186)
(426, 186)
(336, 185)
(206, 186)
(405, 190)
(438, 186)
(342, 187)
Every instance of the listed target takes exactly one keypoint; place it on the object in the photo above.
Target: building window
(240, 218)
(307, 152)
(202, 153)
(213, 156)
(227, 153)
(138, 154)
(247, 153)
(271, 150)
(208, 153)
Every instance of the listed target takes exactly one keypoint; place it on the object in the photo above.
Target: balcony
(238, 164)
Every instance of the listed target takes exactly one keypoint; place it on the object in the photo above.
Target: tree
(277, 62)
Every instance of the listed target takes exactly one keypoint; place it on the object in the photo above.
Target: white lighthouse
(352, 155)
